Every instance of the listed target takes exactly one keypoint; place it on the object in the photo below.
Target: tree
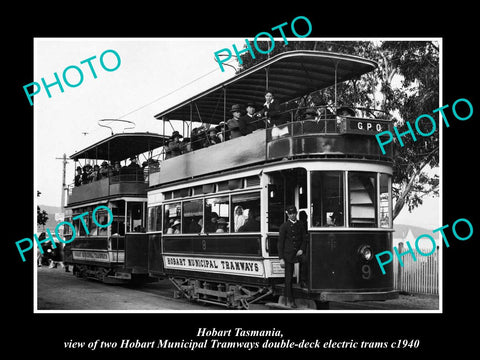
(416, 65)
(42, 215)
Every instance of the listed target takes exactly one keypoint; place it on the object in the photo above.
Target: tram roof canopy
(289, 75)
(121, 146)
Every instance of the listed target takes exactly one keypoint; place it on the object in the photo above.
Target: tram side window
(385, 201)
(362, 199)
(102, 218)
(217, 215)
(327, 198)
(118, 223)
(245, 212)
(155, 218)
(192, 217)
(77, 223)
(171, 218)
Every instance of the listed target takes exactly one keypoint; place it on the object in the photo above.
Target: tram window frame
(77, 223)
(360, 203)
(118, 224)
(385, 205)
(187, 226)
(327, 199)
(154, 221)
(248, 197)
(102, 217)
(209, 212)
(167, 220)
(135, 226)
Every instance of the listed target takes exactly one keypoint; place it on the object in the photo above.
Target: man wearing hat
(174, 147)
(249, 122)
(233, 124)
(291, 246)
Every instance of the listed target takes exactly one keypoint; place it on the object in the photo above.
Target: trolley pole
(64, 185)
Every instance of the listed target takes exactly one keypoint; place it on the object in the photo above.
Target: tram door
(286, 187)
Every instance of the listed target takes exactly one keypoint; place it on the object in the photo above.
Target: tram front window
(327, 198)
(363, 199)
(385, 201)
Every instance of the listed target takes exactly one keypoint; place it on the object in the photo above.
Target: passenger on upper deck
(250, 121)
(174, 147)
(271, 110)
(233, 123)
(345, 111)
(212, 138)
(104, 170)
(87, 169)
(78, 177)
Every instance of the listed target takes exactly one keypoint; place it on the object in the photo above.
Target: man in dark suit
(291, 246)
(271, 110)
(250, 121)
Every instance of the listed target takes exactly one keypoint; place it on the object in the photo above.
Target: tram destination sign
(363, 126)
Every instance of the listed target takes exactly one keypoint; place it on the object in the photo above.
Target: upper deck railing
(133, 183)
(321, 136)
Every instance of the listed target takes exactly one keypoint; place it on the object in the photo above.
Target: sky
(153, 75)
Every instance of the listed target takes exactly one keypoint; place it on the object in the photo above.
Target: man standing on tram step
(291, 246)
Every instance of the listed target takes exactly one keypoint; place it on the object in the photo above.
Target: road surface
(59, 290)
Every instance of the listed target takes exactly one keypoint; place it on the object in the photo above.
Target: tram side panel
(155, 258)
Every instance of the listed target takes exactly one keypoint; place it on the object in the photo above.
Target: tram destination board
(363, 126)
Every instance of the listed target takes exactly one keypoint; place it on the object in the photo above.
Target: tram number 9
(402, 344)
(366, 272)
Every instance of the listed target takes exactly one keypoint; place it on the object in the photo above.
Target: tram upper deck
(108, 178)
(315, 131)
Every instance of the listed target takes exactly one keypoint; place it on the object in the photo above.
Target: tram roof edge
(291, 74)
(121, 146)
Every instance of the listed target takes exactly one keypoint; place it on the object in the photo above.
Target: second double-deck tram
(214, 212)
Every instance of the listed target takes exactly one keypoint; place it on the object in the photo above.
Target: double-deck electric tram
(214, 210)
(112, 173)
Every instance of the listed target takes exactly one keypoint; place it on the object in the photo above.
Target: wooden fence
(419, 276)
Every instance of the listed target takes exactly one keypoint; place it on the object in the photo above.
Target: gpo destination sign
(363, 126)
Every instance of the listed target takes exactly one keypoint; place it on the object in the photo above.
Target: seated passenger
(222, 226)
(252, 224)
(222, 131)
(212, 225)
(94, 174)
(116, 168)
(238, 217)
(104, 170)
(212, 138)
(87, 169)
(198, 138)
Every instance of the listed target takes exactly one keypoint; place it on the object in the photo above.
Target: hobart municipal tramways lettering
(234, 266)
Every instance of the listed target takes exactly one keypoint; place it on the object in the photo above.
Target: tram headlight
(366, 252)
